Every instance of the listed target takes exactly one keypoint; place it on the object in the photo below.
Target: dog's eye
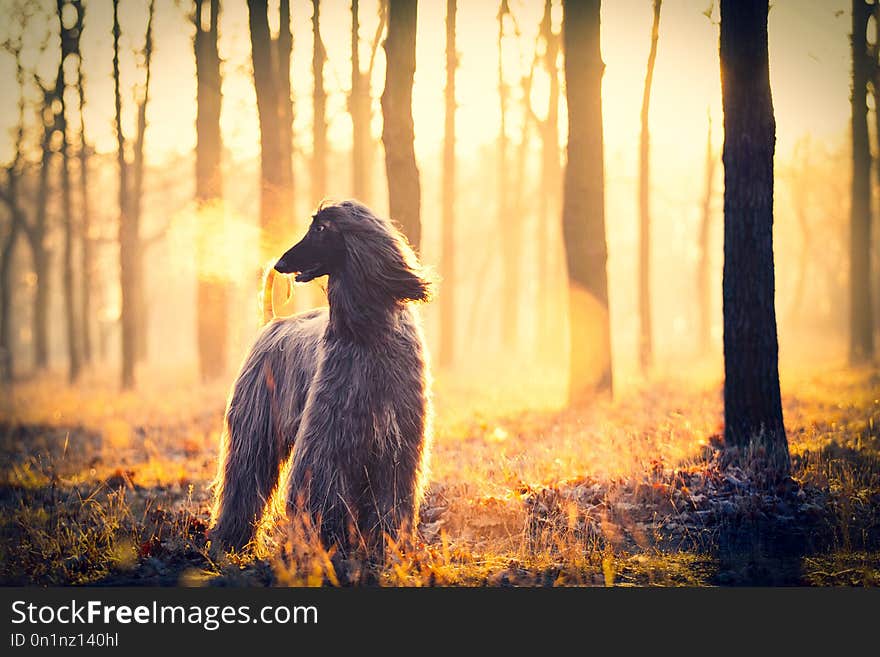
(319, 227)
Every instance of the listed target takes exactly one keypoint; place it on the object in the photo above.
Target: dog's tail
(268, 285)
(272, 301)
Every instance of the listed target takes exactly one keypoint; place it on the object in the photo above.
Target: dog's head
(320, 253)
(348, 242)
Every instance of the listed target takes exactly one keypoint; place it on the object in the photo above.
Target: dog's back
(285, 357)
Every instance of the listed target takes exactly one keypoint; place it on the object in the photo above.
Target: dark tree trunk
(86, 252)
(211, 294)
(583, 209)
(704, 290)
(319, 109)
(397, 132)
(875, 89)
(7, 250)
(7, 354)
(70, 318)
(271, 180)
(136, 201)
(36, 237)
(861, 346)
(752, 404)
(447, 262)
(284, 48)
(9, 196)
(69, 39)
(548, 199)
(646, 342)
(128, 237)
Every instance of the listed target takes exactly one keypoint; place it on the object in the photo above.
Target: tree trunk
(548, 199)
(704, 293)
(359, 110)
(284, 48)
(319, 109)
(86, 255)
(10, 196)
(506, 227)
(875, 88)
(646, 346)
(136, 201)
(36, 235)
(70, 319)
(522, 151)
(583, 211)
(360, 106)
(447, 262)
(40, 326)
(7, 354)
(127, 229)
(513, 227)
(861, 346)
(69, 44)
(397, 130)
(271, 179)
(752, 404)
(34, 231)
(17, 223)
(211, 319)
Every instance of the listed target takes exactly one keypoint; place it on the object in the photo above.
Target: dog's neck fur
(359, 310)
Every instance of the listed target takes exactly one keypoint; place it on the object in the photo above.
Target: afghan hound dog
(343, 393)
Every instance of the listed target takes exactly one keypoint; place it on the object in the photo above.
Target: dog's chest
(377, 391)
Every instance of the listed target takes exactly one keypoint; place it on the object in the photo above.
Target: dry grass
(97, 486)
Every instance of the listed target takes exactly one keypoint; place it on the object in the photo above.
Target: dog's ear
(382, 257)
(406, 279)
(409, 285)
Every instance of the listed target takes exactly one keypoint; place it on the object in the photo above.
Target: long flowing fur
(347, 391)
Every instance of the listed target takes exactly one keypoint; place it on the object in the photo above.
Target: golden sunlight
(547, 194)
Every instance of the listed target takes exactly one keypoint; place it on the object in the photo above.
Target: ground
(99, 487)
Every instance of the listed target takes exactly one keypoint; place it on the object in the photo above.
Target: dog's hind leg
(252, 449)
(262, 420)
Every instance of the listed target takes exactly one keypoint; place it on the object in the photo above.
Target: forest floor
(98, 487)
